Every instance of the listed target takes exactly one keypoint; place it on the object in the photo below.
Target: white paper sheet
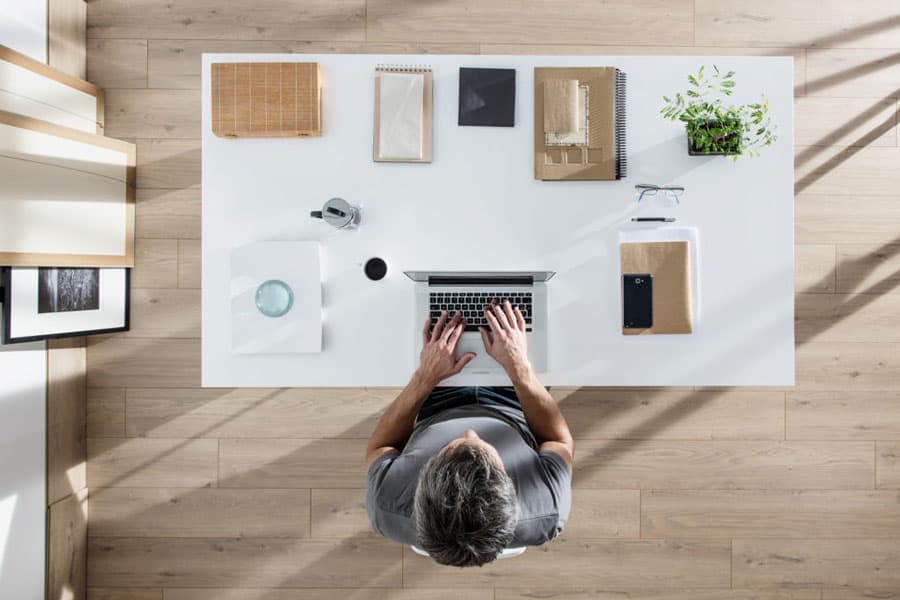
(400, 115)
(298, 265)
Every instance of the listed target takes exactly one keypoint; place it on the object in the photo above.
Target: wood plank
(861, 594)
(176, 63)
(800, 22)
(689, 594)
(65, 418)
(329, 594)
(723, 465)
(798, 54)
(135, 462)
(843, 415)
(120, 361)
(672, 414)
(165, 313)
(155, 264)
(843, 171)
(66, 34)
(814, 271)
(124, 594)
(600, 514)
(827, 219)
(770, 513)
(853, 72)
(276, 463)
(168, 164)
(205, 19)
(614, 564)
(190, 263)
(847, 318)
(887, 465)
(257, 562)
(339, 513)
(822, 121)
(168, 214)
(67, 546)
(848, 366)
(870, 564)
(255, 413)
(662, 23)
(105, 412)
(117, 63)
(151, 113)
(862, 268)
(177, 512)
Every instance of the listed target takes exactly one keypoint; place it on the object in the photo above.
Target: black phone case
(637, 301)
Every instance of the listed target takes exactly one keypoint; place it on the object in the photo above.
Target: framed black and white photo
(41, 303)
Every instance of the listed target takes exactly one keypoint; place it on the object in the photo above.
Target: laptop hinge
(481, 280)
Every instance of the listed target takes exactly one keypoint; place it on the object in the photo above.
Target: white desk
(477, 206)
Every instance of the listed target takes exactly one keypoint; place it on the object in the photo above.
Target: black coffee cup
(375, 269)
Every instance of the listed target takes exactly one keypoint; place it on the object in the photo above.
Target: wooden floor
(694, 494)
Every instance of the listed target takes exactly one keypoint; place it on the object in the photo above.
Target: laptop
(468, 292)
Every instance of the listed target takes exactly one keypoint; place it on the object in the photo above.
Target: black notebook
(487, 97)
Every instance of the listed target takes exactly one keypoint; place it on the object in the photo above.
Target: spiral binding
(404, 68)
(621, 156)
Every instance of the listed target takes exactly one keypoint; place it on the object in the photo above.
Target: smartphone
(637, 297)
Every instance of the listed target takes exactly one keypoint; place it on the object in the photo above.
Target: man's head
(465, 506)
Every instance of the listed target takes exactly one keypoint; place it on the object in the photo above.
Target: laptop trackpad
(471, 342)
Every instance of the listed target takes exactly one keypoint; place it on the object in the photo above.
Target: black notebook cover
(487, 97)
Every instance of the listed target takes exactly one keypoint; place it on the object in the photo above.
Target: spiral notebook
(579, 123)
(403, 113)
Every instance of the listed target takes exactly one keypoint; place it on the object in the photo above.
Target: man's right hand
(506, 341)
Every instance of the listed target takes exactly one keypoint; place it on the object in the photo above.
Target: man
(464, 473)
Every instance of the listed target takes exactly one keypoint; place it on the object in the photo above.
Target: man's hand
(438, 359)
(505, 341)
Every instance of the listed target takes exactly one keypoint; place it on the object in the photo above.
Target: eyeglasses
(648, 190)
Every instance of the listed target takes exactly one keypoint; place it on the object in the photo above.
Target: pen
(653, 219)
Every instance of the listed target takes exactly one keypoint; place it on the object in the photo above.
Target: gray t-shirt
(542, 479)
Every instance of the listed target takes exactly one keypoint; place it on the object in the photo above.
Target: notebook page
(400, 115)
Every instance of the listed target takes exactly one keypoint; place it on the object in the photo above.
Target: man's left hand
(438, 359)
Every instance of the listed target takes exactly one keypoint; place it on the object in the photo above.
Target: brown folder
(669, 264)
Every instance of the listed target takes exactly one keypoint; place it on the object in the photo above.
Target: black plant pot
(694, 152)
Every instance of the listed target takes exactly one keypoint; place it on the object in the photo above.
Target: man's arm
(506, 342)
(437, 362)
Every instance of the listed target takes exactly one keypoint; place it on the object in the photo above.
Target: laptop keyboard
(471, 305)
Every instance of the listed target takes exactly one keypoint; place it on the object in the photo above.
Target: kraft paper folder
(403, 114)
(579, 123)
(669, 264)
(266, 99)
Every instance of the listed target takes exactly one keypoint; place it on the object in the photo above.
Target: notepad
(403, 100)
(579, 123)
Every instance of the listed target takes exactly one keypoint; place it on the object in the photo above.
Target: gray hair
(465, 507)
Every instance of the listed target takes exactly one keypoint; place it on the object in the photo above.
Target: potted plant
(714, 128)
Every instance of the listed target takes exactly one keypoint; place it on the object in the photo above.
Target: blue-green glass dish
(274, 298)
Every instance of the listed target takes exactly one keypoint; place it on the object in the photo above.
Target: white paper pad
(400, 115)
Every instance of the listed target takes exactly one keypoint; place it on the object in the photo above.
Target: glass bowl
(274, 298)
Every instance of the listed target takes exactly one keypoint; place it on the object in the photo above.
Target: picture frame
(43, 303)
